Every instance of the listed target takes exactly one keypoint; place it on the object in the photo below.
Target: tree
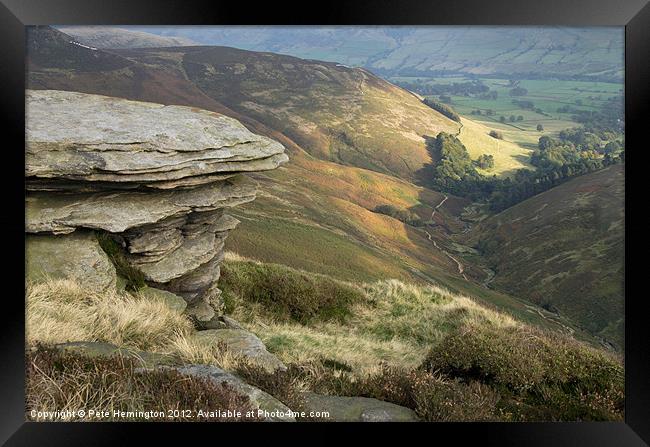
(485, 161)
(513, 118)
(540, 128)
(518, 91)
(520, 118)
(442, 108)
(545, 143)
(497, 135)
(502, 119)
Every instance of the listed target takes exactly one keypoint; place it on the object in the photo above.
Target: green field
(548, 95)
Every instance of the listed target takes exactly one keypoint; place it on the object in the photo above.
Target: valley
(443, 235)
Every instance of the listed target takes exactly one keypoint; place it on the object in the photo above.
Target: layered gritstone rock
(158, 179)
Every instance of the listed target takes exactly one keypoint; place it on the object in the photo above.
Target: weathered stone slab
(118, 211)
(101, 349)
(99, 138)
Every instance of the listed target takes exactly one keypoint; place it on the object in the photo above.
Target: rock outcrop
(158, 179)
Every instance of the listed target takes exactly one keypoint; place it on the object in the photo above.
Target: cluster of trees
(400, 214)
(524, 104)
(555, 160)
(492, 95)
(442, 108)
(576, 152)
(529, 105)
(454, 171)
(609, 118)
(527, 183)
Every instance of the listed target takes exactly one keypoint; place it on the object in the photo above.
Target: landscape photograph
(324, 223)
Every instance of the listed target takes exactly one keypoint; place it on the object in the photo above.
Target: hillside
(117, 37)
(549, 52)
(333, 112)
(564, 250)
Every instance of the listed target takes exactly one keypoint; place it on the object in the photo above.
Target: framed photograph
(353, 217)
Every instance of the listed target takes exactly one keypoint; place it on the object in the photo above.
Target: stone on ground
(358, 409)
(244, 343)
(275, 410)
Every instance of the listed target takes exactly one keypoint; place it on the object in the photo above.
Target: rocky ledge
(156, 179)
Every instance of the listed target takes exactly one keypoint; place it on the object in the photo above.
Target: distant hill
(115, 37)
(585, 53)
(564, 250)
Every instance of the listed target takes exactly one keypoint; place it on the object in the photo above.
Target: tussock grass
(287, 294)
(60, 311)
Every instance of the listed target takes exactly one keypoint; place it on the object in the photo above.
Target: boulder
(272, 410)
(76, 256)
(357, 409)
(243, 343)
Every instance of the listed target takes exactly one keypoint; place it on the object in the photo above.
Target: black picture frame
(16, 14)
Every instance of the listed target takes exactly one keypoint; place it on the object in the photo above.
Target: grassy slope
(564, 247)
(386, 339)
(385, 321)
(508, 156)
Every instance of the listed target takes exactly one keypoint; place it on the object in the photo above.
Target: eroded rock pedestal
(158, 179)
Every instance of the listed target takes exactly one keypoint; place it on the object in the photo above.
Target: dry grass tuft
(60, 311)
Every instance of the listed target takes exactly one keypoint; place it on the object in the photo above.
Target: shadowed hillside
(564, 250)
